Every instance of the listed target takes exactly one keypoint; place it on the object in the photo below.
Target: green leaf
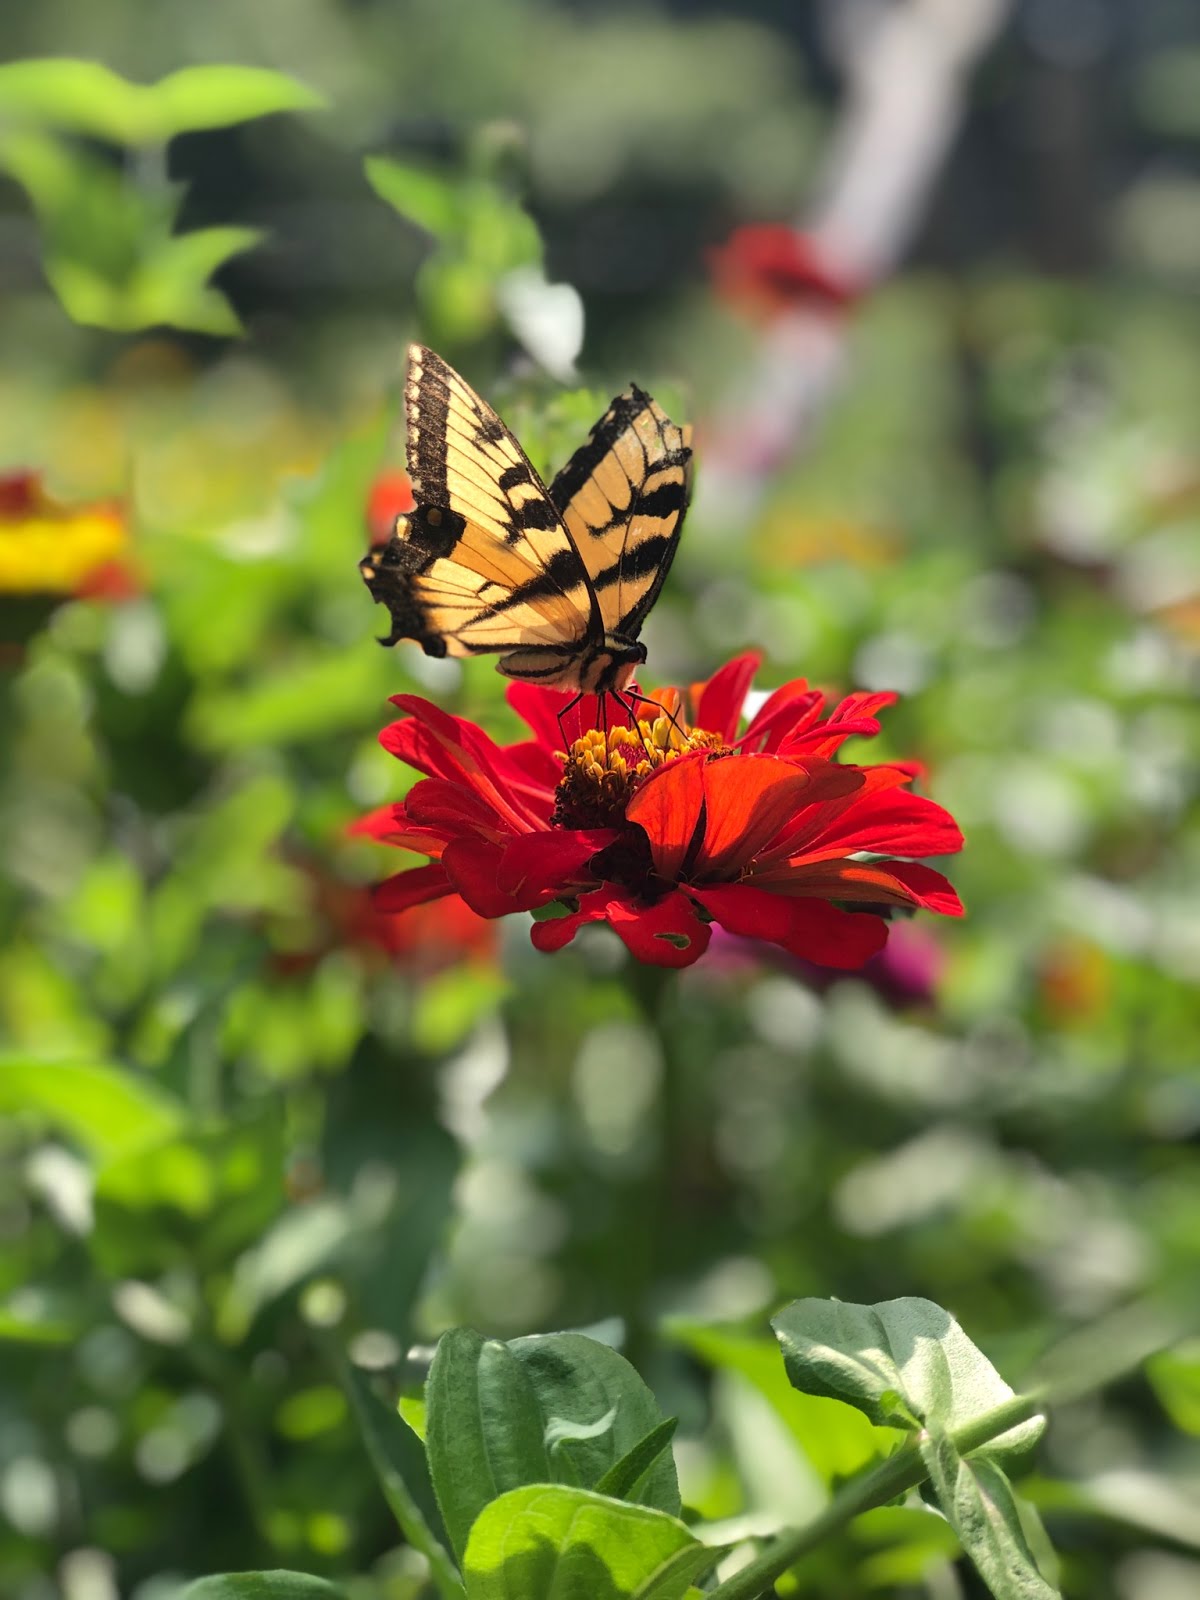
(978, 1501)
(219, 96)
(1175, 1377)
(423, 197)
(549, 1542)
(170, 284)
(904, 1363)
(86, 97)
(579, 1380)
(403, 1474)
(626, 1475)
(484, 1431)
(103, 1108)
(276, 1585)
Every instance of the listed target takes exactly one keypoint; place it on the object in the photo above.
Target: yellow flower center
(602, 769)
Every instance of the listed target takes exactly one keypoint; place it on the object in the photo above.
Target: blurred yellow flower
(50, 548)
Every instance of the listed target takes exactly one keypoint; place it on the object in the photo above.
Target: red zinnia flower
(663, 828)
(770, 267)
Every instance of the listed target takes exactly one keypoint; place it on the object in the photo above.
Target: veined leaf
(979, 1502)
(905, 1363)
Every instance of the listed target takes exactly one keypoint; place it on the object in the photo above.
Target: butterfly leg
(564, 713)
(636, 695)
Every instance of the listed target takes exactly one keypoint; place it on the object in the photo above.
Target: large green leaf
(581, 1384)
(88, 97)
(104, 1108)
(550, 1542)
(979, 1502)
(484, 1431)
(277, 1585)
(904, 1363)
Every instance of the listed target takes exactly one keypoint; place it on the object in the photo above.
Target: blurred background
(949, 444)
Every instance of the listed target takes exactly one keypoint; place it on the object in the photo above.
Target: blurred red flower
(664, 827)
(767, 268)
(424, 940)
(390, 497)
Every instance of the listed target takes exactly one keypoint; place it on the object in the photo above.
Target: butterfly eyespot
(433, 516)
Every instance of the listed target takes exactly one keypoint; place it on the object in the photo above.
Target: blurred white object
(547, 318)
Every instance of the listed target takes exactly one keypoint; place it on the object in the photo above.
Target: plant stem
(653, 1217)
(900, 1472)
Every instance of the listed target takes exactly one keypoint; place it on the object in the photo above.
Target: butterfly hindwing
(622, 497)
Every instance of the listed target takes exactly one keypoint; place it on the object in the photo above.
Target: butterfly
(558, 581)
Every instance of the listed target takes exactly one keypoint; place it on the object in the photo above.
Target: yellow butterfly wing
(622, 497)
(484, 563)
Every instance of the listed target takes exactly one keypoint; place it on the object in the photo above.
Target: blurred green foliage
(241, 1127)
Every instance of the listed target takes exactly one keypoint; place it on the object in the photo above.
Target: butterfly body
(556, 581)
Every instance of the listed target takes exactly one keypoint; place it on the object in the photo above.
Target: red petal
(835, 790)
(471, 865)
(451, 747)
(668, 806)
(412, 888)
(786, 708)
(453, 808)
(805, 928)
(668, 934)
(391, 825)
(534, 774)
(538, 863)
(890, 822)
(906, 883)
(655, 934)
(748, 799)
(719, 706)
(541, 708)
(557, 932)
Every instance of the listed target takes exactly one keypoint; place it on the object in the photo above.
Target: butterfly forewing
(622, 497)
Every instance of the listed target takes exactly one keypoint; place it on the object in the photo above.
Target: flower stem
(653, 1198)
(900, 1472)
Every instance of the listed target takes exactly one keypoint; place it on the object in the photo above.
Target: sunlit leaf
(903, 1363)
(548, 1541)
(104, 1108)
(90, 98)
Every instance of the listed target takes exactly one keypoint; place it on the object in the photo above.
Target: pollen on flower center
(603, 767)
